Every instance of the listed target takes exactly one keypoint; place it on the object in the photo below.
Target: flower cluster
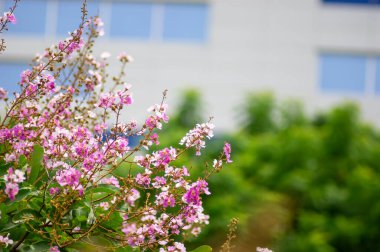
(12, 180)
(196, 137)
(81, 174)
(8, 17)
(5, 241)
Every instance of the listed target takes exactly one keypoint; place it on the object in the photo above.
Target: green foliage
(189, 110)
(203, 248)
(35, 163)
(296, 183)
(258, 113)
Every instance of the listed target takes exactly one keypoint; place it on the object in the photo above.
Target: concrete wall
(252, 45)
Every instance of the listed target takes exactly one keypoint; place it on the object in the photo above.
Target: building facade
(317, 51)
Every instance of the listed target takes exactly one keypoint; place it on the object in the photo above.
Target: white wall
(252, 45)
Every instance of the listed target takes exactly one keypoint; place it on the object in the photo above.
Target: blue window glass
(10, 75)
(30, 16)
(342, 73)
(377, 80)
(131, 20)
(69, 14)
(353, 1)
(185, 21)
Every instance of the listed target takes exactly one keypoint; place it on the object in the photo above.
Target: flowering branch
(67, 175)
(8, 17)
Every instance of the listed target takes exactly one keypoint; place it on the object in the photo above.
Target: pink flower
(125, 98)
(142, 179)
(192, 195)
(54, 249)
(54, 190)
(99, 24)
(164, 157)
(196, 137)
(132, 196)
(31, 89)
(10, 17)
(25, 75)
(4, 240)
(69, 177)
(152, 123)
(3, 93)
(165, 199)
(178, 247)
(154, 138)
(12, 179)
(11, 189)
(106, 100)
(104, 205)
(159, 182)
(111, 181)
(99, 128)
(227, 152)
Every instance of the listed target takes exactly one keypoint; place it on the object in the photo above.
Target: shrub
(71, 182)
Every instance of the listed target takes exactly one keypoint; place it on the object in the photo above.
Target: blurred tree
(292, 114)
(296, 183)
(189, 111)
(258, 113)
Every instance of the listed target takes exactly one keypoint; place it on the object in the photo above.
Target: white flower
(91, 114)
(5, 240)
(258, 249)
(105, 55)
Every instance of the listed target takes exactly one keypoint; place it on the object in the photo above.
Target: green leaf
(90, 244)
(4, 168)
(203, 248)
(100, 191)
(21, 161)
(81, 213)
(114, 221)
(108, 189)
(16, 230)
(3, 214)
(41, 246)
(25, 192)
(127, 249)
(35, 163)
(36, 203)
(7, 227)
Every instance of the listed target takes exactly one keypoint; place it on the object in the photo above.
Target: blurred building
(319, 51)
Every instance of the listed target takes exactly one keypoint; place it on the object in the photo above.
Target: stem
(14, 248)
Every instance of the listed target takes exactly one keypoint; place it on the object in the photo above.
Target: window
(10, 75)
(171, 22)
(132, 20)
(368, 2)
(343, 73)
(129, 19)
(185, 21)
(30, 15)
(377, 77)
(69, 14)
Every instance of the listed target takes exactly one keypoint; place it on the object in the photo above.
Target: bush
(297, 183)
(70, 182)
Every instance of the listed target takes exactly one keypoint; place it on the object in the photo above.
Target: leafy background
(297, 183)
